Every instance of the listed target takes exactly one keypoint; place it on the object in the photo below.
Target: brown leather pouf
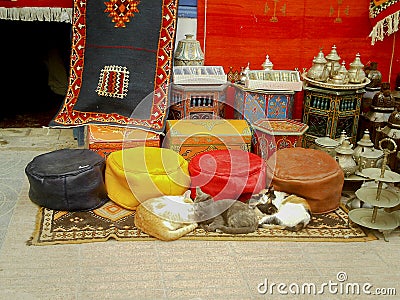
(308, 173)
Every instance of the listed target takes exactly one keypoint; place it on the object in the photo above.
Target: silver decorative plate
(383, 221)
(326, 85)
(387, 198)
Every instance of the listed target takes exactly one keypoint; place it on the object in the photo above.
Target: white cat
(287, 211)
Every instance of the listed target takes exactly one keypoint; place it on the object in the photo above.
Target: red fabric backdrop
(237, 32)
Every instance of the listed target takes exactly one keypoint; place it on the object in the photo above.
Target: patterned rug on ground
(113, 222)
(120, 64)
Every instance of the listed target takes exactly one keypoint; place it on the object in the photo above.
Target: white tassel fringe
(387, 26)
(51, 14)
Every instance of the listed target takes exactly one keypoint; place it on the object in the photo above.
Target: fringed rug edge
(36, 241)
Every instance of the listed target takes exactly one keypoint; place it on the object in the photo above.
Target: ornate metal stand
(377, 197)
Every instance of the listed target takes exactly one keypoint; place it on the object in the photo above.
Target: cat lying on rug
(281, 209)
(166, 217)
(171, 217)
(227, 216)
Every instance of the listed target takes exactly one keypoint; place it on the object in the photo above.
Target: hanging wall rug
(114, 222)
(385, 17)
(120, 64)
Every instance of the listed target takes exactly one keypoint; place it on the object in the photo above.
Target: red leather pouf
(227, 174)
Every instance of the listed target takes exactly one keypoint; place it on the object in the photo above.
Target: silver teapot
(343, 74)
(267, 64)
(344, 157)
(317, 70)
(326, 144)
(371, 158)
(333, 64)
(362, 145)
(356, 72)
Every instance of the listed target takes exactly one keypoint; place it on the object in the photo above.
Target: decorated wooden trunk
(274, 134)
(191, 137)
(197, 101)
(253, 105)
(107, 139)
(329, 112)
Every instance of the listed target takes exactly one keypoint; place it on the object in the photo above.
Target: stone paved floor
(168, 270)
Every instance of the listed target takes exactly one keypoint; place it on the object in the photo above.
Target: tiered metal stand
(379, 198)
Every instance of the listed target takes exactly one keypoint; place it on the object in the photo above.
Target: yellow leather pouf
(137, 174)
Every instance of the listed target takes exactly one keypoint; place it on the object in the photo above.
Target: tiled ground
(167, 270)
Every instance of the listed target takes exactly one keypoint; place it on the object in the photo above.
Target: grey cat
(227, 216)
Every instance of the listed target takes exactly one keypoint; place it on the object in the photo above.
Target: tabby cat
(226, 216)
(281, 209)
(166, 217)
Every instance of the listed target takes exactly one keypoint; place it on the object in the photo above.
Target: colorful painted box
(191, 137)
(285, 80)
(274, 134)
(107, 139)
(197, 101)
(258, 104)
(329, 112)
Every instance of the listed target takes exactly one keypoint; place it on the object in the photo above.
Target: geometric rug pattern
(114, 222)
(120, 64)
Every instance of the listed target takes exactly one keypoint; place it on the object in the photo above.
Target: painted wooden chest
(191, 137)
(197, 101)
(329, 112)
(107, 139)
(274, 134)
(258, 104)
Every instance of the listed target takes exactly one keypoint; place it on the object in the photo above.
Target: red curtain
(233, 33)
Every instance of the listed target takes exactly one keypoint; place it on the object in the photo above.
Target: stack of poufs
(80, 179)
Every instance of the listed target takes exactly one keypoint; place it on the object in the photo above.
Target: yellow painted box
(106, 139)
(190, 137)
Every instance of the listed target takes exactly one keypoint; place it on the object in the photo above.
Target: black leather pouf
(67, 179)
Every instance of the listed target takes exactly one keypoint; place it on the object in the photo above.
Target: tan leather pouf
(308, 173)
